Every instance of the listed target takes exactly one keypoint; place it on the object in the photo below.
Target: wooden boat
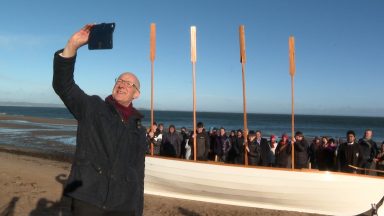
(281, 189)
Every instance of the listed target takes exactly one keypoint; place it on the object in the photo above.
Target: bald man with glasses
(107, 174)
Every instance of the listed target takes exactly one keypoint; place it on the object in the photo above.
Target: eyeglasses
(126, 83)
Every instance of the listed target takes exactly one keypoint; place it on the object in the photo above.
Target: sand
(33, 186)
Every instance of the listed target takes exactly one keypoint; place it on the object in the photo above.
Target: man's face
(350, 138)
(199, 130)
(258, 135)
(154, 127)
(222, 132)
(324, 140)
(252, 137)
(368, 134)
(122, 92)
(171, 129)
(239, 134)
(299, 137)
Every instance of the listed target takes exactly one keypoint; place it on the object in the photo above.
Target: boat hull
(303, 191)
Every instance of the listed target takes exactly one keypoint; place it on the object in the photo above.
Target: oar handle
(366, 169)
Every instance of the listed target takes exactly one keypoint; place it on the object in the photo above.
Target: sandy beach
(32, 186)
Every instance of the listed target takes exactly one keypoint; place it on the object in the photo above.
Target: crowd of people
(349, 155)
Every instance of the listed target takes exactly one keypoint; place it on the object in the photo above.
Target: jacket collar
(125, 115)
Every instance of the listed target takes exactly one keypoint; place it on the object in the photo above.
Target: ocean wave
(67, 140)
(43, 125)
(12, 131)
(15, 121)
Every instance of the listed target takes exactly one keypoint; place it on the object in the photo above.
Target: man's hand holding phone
(76, 41)
(98, 36)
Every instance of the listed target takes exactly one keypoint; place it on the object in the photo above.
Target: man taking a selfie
(107, 174)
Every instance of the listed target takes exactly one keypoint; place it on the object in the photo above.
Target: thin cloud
(16, 41)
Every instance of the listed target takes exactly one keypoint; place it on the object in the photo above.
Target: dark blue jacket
(254, 154)
(367, 152)
(265, 151)
(301, 154)
(108, 167)
(171, 144)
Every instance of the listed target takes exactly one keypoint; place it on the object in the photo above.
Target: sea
(23, 133)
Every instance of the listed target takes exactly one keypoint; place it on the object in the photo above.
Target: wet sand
(39, 120)
(33, 186)
(38, 136)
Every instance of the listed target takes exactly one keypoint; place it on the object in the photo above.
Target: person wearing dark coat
(222, 145)
(301, 150)
(272, 144)
(253, 150)
(321, 154)
(171, 143)
(184, 135)
(314, 149)
(202, 143)
(161, 129)
(367, 151)
(347, 153)
(155, 138)
(265, 149)
(238, 147)
(380, 160)
(212, 143)
(107, 173)
(232, 136)
(232, 153)
(329, 151)
(283, 153)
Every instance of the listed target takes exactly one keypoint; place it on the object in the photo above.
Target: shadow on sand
(51, 208)
(8, 209)
(187, 212)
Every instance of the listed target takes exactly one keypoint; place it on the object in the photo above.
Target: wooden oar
(152, 58)
(242, 61)
(292, 69)
(366, 169)
(193, 60)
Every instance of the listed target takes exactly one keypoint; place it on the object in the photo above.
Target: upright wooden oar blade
(292, 66)
(193, 60)
(243, 60)
(242, 44)
(152, 58)
(193, 44)
(153, 42)
(292, 69)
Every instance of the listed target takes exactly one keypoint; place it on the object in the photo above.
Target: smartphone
(101, 36)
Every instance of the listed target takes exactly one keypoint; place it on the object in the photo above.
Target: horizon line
(53, 105)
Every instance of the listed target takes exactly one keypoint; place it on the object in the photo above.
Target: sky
(339, 53)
